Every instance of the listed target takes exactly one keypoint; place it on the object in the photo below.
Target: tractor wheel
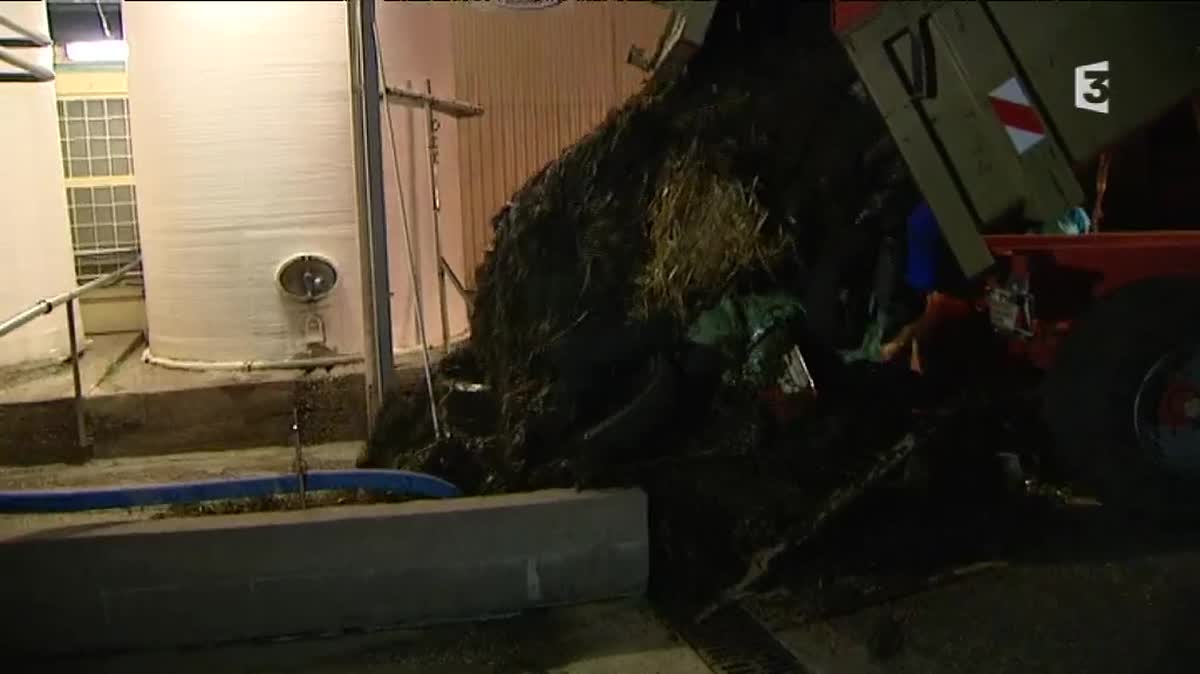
(1123, 399)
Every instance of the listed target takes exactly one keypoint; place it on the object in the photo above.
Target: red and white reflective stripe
(1020, 119)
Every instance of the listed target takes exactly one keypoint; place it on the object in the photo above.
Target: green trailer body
(999, 108)
(944, 73)
(982, 97)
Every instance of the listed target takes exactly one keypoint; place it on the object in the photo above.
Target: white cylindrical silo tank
(243, 146)
(35, 243)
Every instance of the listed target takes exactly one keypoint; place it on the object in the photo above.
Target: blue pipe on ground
(134, 496)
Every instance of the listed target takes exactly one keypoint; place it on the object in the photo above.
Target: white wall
(35, 239)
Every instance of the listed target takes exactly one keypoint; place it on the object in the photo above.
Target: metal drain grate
(733, 642)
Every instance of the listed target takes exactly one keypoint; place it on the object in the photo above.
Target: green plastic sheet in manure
(723, 180)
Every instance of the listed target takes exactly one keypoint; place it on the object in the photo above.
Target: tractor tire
(1101, 395)
(625, 430)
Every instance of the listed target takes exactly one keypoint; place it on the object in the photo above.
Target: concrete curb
(177, 582)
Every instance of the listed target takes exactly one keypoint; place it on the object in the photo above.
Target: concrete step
(228, 416)
(136, 409)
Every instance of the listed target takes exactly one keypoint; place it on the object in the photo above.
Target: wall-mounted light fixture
(98, 51)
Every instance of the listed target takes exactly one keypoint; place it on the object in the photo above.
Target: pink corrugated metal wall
(416, 44)
(544, 78)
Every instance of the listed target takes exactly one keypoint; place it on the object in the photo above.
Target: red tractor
(1082, 119)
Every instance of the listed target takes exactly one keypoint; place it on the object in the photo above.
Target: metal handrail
(30, 72)
(29, 38)
(43, 307)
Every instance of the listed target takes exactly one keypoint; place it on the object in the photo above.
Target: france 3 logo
(1092, 87)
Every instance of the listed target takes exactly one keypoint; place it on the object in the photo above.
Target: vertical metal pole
(414, 271)
(80, 421)
(298, 464)
(372, 232)
(432, 152)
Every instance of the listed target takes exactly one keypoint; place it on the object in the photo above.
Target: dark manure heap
(759, 169)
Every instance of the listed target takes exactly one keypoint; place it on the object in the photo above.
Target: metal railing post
(431, 152)
(366, 98)
(80, 419)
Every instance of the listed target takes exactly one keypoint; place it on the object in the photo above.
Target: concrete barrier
(177, 582)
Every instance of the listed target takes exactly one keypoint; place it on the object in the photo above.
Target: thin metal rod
(106, 280)
(133, 279)
(8, 78)
(412, 266)
(456, 282)
(18, 43)
(46, 306)
(431, 153)
(37, 39)
(24, 316)
(32, 71)
(372, 229)
(449, 106)
(80, 420)
(300, 466)
(106, 251)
